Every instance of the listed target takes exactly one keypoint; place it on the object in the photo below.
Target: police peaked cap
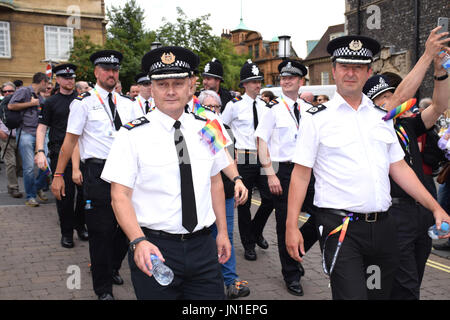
(292, 68)
(106, 58)
(213, 69)
(353, 49)
(141, 77)
(376, 85)
(250, 72)
(66, 70)
(170, 62)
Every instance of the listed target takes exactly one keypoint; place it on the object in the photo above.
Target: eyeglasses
(212, 106)
(8, 91)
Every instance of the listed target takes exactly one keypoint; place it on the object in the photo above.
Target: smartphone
(443, 22)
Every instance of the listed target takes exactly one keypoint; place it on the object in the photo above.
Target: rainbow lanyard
(104, 107)
(403, 136)
(343, 229)
(140, 105)
(290, 112)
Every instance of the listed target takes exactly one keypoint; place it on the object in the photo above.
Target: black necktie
(115, 115)
(296, 112)
(188, 207)
(255, 115)
(147, 108)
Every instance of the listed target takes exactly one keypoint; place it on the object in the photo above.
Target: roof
(241, 26)
(320, 50)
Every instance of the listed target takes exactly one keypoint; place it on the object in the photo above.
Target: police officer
(212, 78)
(242, 115)
(144, 101)
(167, 189)
(412, 219)
(352, 151)
(277, 132)
(54, 115)
(94, 120)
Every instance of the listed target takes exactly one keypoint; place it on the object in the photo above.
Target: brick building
(262, 52)
(33, 32)
(402, 28)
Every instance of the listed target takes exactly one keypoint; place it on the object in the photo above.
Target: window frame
(8, 53)
(58, 33)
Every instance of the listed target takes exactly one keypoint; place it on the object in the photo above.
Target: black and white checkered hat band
(292, 70)
(378, 89)
(107, 60)
(346, 52)
(142, 79)
(170, 76)
(178, 63)
(65, 72)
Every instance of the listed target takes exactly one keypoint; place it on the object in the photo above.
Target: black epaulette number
(314, 110)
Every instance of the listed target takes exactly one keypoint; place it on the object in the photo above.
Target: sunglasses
(8, 91)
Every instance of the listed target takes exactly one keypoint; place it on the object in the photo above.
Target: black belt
(175, 236)
(367, 217)
(95, 161)
(404, 201)
(286, 163)
(246, 151)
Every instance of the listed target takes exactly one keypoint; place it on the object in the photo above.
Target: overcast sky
(301, 19)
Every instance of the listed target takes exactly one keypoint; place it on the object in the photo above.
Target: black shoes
(116, 278)
(106, 296)
(250, 254)
(67, 242)
(301, 269)
(83, 234)
(295, 288)
(261, 242)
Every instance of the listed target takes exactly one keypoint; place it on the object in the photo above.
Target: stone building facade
(402, 28)
(34, 32)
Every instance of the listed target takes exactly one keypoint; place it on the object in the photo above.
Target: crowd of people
(160, 171)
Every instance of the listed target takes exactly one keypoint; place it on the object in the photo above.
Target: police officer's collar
(339, 102)
(143, 99)
(103, 93)
(167, 121)
(288, 100)
(247, 97)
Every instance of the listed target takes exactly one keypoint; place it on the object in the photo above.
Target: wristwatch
(135, 242)
(445, 76)
(237, 177)
(40, 150)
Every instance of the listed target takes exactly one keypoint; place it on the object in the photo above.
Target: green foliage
(126, 34)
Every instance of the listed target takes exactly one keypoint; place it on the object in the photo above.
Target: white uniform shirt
(139, 105)
(238, 115)
(145, 159)
(89, 119)
(350, 152)
(278, 128)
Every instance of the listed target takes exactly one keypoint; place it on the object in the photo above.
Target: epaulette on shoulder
(381, 108)
(313, 110)
(83, 95)
(136, 123)
(236, 99)
(199, 117)
(272, 103)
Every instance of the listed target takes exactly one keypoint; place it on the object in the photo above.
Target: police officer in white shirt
(277, 132)
(353, 152)
(144, 101)
(242, 115)
(167, 189)
(94, 120)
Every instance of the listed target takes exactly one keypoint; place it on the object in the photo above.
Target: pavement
(34, 266)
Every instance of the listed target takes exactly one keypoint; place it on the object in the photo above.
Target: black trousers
(412, 222)
(197, 272)
(368, 259)
(71, 207)
(250, 170)
(108, 244)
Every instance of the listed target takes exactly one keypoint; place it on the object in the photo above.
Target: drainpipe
(358, 15)
(416, 37)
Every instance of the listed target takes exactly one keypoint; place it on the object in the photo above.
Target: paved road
(33, 265)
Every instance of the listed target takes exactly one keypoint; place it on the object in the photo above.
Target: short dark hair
(269, 94)
(39, 76)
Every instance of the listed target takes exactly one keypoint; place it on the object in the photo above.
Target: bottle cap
(444, 226)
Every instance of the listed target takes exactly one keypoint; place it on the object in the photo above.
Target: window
(250, 51)
(58, 42)
(5, 40)
(256, 51)
(325, 78)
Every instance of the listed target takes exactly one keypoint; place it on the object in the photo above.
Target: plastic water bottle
(162, 273)
(88, 205)
(434, 232)
(446, 62)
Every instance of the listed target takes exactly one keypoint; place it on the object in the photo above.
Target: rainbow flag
(47, 171)
(395, 113)
(213, 135)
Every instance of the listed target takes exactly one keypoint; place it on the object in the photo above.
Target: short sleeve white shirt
(350, 152)
(145, 159)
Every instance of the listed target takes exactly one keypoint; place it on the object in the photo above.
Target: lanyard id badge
(112, 132)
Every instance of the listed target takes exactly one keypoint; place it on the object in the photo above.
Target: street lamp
(284, 47)
(155, 45)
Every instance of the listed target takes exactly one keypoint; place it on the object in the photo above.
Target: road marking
(429, 263)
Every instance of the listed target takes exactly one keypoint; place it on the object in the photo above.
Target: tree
(82, 49)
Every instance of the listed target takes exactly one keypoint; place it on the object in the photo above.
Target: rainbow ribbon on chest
(401, 109)
(213, 135)
(197, 108)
